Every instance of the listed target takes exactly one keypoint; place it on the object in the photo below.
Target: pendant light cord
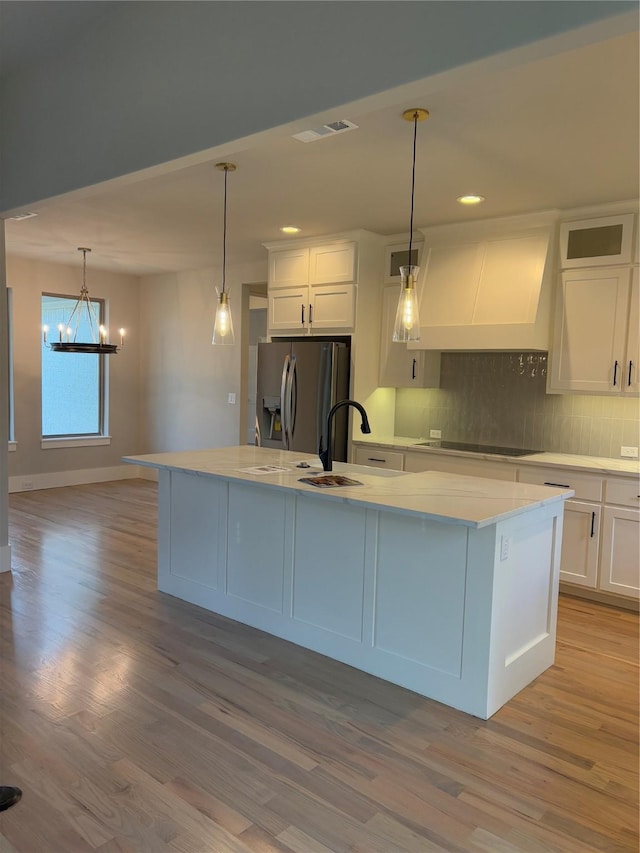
(413, 182)
(84, 270)
(224, 232)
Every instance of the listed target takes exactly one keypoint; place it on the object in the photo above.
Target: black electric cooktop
(478, 448)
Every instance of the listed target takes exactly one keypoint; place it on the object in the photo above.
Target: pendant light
(83, 316)
(407, 324)
(223, 326)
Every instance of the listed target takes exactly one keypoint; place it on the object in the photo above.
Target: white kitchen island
(444, 584)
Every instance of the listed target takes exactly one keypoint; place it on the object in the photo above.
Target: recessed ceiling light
(19, 216)
(470, 199)
(290, 229)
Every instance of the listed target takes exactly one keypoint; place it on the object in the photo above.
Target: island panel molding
(462, 610)
(329, 568)
(253, 572)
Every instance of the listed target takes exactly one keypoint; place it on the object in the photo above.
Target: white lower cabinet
(580, 538)
(601, 540)
(601, 537)
(378, 457)
(620, 556)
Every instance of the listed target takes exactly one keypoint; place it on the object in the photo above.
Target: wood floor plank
(137, 723)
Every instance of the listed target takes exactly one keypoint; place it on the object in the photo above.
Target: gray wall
(186, 381)
(28, 279)
(155, 81)
(500, 399)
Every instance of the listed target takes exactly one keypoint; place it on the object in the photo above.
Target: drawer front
(379, 458)
(586, 486)
(622, 492)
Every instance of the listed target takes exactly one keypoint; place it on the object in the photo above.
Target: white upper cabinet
(399, 367)
(486, 286)
(289, 268)
(289, 308)
(605, 241)
(332, 306)
(595, 348)
(632, 358)
(312, 287)
(333, 264)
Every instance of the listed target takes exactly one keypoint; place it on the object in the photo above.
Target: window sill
(75, 441)
(13, 446)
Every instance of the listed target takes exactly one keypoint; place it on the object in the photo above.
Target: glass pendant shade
(223, 326)
(407, 324)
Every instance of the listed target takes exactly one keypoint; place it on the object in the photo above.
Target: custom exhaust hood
(487, 285)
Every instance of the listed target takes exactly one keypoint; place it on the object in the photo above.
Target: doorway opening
(254, 331)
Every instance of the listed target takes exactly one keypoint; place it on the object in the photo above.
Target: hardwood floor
(136, 722)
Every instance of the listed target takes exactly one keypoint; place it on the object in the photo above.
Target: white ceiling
(559, 132)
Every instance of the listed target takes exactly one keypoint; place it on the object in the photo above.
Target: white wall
(186, 380)
(156, 81)
(28, 280)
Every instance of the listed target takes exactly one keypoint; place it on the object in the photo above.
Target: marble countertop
(438, 496)
(595, 464)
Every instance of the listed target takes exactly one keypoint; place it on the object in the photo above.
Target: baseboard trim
(79, 477)
(601, 597)
(5, 558)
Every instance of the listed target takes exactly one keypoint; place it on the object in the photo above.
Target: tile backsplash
(499, 398)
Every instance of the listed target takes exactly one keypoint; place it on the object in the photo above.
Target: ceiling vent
(20, 216)
(325, 130)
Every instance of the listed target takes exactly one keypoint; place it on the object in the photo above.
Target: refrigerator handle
(292, 397)
(283, 402)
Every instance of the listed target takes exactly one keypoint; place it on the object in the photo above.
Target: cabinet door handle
(413, 369)
(375, 459)
(629, 378)
(310, 315)
(302, 314)
(615, 373)
(558, 485)
(593, 524)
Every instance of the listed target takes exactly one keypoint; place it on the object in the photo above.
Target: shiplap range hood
(487, 285)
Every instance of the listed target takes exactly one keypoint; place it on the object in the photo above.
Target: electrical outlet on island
(629, 452)
(435, 433)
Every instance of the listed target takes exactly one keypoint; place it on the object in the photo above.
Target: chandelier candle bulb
(122, 334)
(45, 329)
(69, 330)
(60, 331)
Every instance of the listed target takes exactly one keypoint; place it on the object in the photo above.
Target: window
(72, 383)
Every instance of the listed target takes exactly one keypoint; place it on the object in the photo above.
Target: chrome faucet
(325, 455)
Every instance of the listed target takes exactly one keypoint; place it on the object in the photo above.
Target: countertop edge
(373, 503)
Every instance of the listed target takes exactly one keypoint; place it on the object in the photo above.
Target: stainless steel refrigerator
(298, 383)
